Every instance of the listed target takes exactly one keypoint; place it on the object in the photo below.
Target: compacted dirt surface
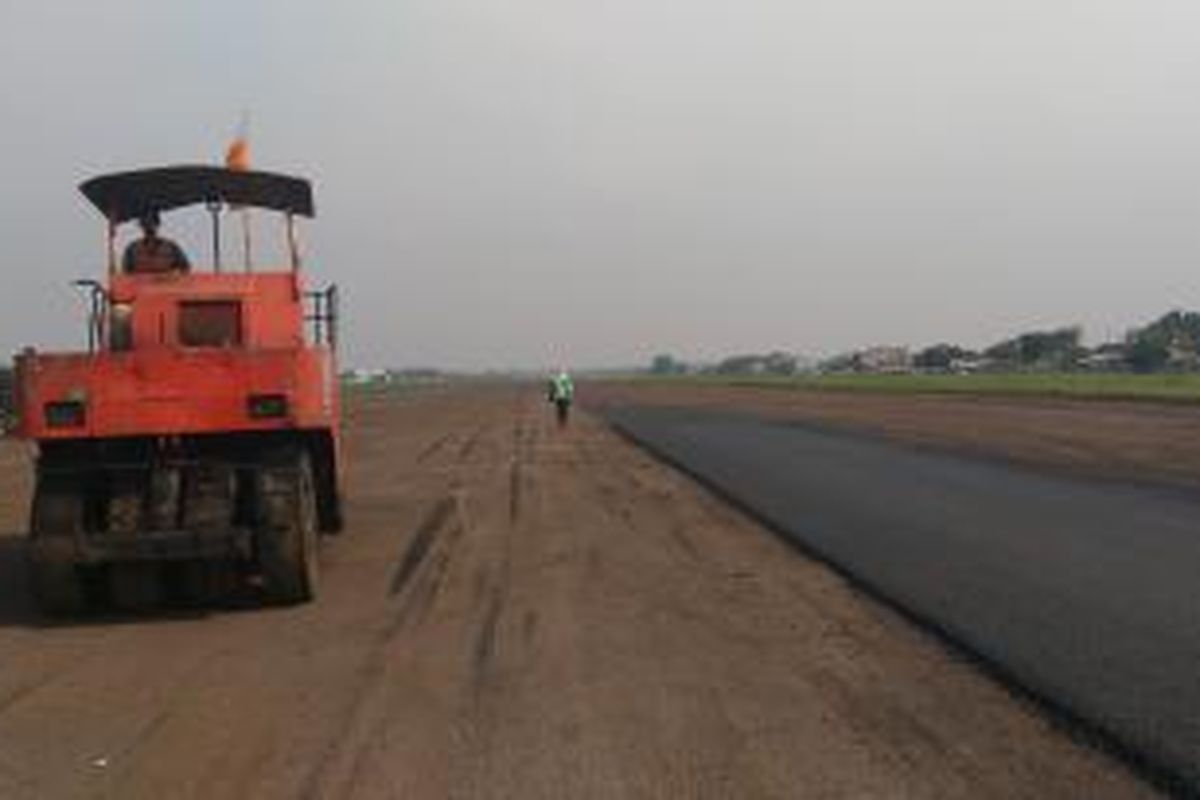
(517, 611)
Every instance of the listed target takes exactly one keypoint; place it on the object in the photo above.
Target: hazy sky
(517, 182)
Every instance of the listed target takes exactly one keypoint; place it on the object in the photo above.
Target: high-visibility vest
(561, 388)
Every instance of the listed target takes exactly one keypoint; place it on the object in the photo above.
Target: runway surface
(516, 610)
(1086, 593)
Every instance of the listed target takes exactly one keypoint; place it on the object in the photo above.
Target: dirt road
(522, 612)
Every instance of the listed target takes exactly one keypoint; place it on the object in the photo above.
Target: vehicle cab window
(210, 323)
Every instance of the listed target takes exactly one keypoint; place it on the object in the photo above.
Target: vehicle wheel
(203, 583)
(163, 490)
(209, 498)
(287, 528)
(135, 587)
(56, 518)
(56, 583)
(125, 516)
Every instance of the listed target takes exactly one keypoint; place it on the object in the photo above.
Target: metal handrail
(322, 315)
(97, 307)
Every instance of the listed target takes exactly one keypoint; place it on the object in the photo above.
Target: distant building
(883, 359)
(1181, 354)
(361, 375)
(1110, 357)
(969, 365)
(774, 363)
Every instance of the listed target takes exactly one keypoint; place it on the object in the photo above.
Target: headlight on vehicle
(267, 406)
(65, 414)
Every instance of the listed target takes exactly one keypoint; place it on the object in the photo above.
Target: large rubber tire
(286, 532)
(56, 584)
(208, 497)
(126, 515)
(205, 583)
(57, 517)
(135, 586)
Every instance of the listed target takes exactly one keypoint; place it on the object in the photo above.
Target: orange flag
(237, 157)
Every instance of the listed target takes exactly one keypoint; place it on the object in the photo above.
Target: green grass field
(1162, 388)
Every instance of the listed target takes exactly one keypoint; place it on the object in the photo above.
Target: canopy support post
(246, 263)
(293, 243)
(112, 248)
(214, 208)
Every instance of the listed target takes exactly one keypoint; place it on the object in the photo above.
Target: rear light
(65, 414)
(267, 406)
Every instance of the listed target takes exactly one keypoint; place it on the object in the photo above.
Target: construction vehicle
(195, 445)
(6, 399)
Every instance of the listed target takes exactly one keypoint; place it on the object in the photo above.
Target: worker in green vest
(561, 392)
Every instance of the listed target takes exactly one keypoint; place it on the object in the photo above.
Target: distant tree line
(1046, 350)
(666, 364)
(1169, 343)
(941, 357)
(773, 363)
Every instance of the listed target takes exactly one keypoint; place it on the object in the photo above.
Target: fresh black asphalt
(1085, 593)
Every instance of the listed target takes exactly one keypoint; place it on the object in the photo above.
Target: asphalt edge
(1144, 766)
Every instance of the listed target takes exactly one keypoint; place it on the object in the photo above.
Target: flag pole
(237, 158)
(246, 238)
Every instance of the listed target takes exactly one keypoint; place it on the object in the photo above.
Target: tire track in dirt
(419, 576)
(514, 492)
(468, 447)
(492, 603)
(486, 640)
(417, 581)
(143, 734)
(27, 690)
(370, 674)
(420, 544)
(493, 585)
(433, 447)
(514, 468)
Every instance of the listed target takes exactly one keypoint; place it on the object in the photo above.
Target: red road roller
(195, 444)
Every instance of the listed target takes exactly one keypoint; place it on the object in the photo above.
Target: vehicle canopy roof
(123, 196)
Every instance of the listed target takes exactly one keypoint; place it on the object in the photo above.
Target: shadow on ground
(18, 609)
